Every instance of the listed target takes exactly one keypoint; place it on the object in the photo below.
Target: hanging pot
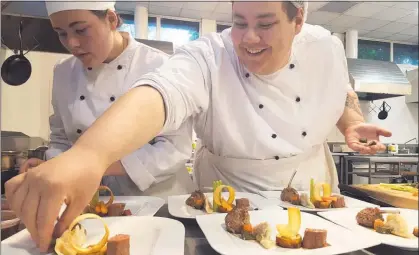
(17, 69)
(384, 109)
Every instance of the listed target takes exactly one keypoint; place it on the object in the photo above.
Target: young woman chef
(264, 94)
(104, 65)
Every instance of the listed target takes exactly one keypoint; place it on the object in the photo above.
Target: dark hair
(102, 15)
(290, 10)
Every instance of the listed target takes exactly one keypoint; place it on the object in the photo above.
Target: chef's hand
(37, 195)
(30, 163)
(354, 133)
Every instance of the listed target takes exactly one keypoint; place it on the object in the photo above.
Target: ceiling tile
(201, 6)
(320, 18)
(362, 32)
(413, 39)
(223, 7)
(195, 14)
(370, 24)
(407, 5)
(365, 9)
(410, 31)
(129, 6)
(165, 11)
(394, 27)
(392, 14)
(400, 38)
(345, 21)
(167, 4)
(313, 6)
(336, 29)
(411, 19)
(224, 17)
(386, 3)
(378, 35)
(337, 7)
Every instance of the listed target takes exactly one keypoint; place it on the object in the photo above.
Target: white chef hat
(57, 6)
(302, 4)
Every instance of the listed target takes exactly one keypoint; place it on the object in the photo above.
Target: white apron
(249, 175)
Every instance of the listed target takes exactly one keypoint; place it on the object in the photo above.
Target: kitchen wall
(402, 120)
(26, 108)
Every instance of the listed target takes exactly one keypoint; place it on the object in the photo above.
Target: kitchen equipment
(393, 148)
(9, 224)
(17, 69)
(394, 198)
(384, 109)
(38, 152)
(8, 160)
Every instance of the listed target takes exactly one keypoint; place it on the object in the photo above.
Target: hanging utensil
(17, 69)
(384, 109)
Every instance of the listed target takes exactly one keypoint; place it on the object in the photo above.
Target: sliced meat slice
(119, 245)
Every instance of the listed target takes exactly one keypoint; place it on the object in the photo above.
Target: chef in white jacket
(105, 64)
(264, 95)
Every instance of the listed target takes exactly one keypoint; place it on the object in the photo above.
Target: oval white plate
(341, 240)
(148, 235)
(347, 219)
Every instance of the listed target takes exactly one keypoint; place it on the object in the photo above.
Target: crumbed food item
(314, 238)
(119, 245)
(236, 219)
(339, 203)
(290, 195)
(242, 203)
(116, 209)
(196, 200)
(415, 231)
(367, 216)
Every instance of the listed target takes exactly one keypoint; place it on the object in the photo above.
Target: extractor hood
(374, 80)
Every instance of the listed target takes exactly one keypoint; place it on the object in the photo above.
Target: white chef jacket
(256, 130)
(80, 95)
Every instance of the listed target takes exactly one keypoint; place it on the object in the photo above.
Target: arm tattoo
(353, 103)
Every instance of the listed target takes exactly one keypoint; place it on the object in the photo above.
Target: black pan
(17, 69)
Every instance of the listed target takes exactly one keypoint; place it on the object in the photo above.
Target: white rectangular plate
(341, 240)
(139, 205)
(178, 208)
(148, 235)
(347, 219)
(275, 197)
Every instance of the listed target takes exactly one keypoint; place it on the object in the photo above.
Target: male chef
(264, 95)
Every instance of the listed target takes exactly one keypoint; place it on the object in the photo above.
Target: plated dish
(143, 235)
(274, 231)
(392, 226)
(223, 199)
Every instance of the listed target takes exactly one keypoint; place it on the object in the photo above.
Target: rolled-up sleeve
(183, 81)
(59, 142)
(161, 158)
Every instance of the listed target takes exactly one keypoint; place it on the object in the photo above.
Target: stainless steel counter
(197, 244)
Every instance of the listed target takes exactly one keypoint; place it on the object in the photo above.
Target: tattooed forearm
(352, 102)
(352, 114)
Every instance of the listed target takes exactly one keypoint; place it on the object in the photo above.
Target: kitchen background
(382, 31)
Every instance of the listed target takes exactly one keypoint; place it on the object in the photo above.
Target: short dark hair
(102, 15)
(290, 10)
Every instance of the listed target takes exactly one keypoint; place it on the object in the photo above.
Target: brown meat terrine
(118, 245)
(314, 238)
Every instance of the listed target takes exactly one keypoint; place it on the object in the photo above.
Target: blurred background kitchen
(380, 39)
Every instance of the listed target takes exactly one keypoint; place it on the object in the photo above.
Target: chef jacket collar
(124, 59)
